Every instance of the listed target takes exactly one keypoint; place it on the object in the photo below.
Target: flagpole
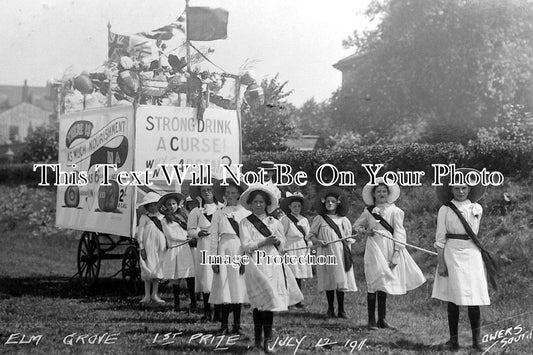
(109, 71)
(188, 99)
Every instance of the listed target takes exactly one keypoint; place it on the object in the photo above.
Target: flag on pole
(166, 32)
(132, 46)
(206, 24)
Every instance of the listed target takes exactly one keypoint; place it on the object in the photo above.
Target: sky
(299, 39)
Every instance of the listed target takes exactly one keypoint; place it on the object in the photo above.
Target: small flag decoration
(133, 46)
(166, 32)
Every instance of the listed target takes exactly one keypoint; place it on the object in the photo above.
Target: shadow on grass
(200, 348)
(62, 287)
(406, 344)
(301, 314)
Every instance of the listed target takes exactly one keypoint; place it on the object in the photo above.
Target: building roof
(13, 95)
(304, 143)
(346, 62)
(23, 110)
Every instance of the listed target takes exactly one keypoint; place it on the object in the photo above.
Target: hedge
(511, 159)
(18, 174)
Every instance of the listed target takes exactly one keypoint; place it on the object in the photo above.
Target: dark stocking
(371, 304)
(453, 323)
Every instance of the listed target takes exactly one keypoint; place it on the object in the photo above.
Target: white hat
(368, 198)
(151, 197)
(258, 187)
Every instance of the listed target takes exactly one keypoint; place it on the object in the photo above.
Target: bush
(511, 159)
(42, 144)
(18, 174)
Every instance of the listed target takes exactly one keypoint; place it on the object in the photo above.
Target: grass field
(40, 297)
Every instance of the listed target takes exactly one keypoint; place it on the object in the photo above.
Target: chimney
(25, 92)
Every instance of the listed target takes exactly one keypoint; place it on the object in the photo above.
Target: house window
(14, 133)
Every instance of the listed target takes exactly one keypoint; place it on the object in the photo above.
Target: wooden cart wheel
(89, 258)
(131, 271)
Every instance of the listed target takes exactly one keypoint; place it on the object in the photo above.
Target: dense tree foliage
(454, 65)
(314, 118)
(42, 144)
(266, 127)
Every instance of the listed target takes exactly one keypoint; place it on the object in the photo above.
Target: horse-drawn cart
(110, 157)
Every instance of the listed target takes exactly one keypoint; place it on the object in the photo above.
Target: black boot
(330, 295)
(268, 319)
(217, 313)
(340, 303)
(207, 308)
(192, 295)
(371, 305)
(382, 310)
(224, 310)
(176, 290)
(474, 314)
(236, 318)
(258, 328)
(299, 304)
(453, 325)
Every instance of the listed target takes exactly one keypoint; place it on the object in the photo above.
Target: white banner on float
(87, 139)
(174, 135)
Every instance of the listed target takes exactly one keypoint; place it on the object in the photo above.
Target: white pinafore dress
(270, 286)
(466, 283)
(228, 285)
(199, 220)
(379, 250)
(333, 276)
(295, 239)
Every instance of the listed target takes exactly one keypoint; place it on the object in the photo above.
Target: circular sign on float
(72, 196)
(108, 197)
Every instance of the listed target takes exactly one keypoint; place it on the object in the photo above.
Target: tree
(453, 64)
(42, 144)
(266, 127)
(313, 118)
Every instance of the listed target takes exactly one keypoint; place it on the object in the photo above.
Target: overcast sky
(299, 39)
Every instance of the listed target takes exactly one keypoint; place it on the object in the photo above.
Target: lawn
(43, 305)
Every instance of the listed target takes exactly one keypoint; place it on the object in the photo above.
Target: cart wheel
(89, 258)
(131, 271)
(72, 196)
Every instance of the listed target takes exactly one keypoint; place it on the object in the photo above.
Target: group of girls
(244, 225)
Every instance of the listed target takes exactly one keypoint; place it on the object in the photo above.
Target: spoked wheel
(89, 258)
(131, 271)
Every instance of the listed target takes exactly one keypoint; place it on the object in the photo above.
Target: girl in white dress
(389, 268)
(229, 288)
(198, 225)
(296, 228)
(460, 279)
(271, 286)
(152, 247)
(332, 206)
(178, 262)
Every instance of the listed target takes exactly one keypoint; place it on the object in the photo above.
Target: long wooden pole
(402, 243)
(109, 75)
(187, 47)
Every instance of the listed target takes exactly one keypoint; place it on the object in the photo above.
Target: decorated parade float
(148, 105)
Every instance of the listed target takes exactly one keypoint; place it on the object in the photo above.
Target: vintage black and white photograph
(260, 177)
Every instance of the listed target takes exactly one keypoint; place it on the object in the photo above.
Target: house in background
(347, 67)
(22, 108)
(16, 122)
(12, 95)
